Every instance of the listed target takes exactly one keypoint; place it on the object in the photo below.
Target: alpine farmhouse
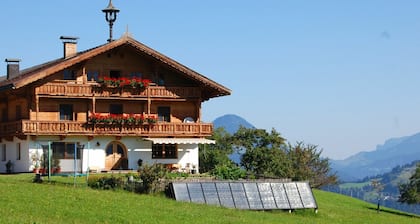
(106, 108)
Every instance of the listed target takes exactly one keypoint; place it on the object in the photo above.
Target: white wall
(21, 165)
(93, 154)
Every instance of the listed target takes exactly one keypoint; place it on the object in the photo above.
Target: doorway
(116, 156)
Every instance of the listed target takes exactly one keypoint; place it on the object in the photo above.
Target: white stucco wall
(93, 154)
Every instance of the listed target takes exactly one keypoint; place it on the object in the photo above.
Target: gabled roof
(41, 71)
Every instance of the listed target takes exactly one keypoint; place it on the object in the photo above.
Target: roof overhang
(180, 140)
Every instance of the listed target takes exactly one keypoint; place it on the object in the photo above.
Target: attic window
(92, 75)
(69, 75)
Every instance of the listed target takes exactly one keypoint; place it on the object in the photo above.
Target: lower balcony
(63, 128)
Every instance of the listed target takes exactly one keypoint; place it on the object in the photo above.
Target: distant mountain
(231, 123)
(394, 152)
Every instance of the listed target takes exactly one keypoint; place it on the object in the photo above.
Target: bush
(228, 172)
(152, 177)
(106, 183)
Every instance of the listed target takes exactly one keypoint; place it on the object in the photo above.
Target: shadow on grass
(394, 212)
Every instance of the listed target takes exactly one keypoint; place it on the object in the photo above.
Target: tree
(410, 192)
(263, 155)
(211, 156)
(308, 165)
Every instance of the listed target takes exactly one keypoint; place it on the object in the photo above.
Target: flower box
(122, 119)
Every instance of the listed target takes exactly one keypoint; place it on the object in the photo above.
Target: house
(104, 108)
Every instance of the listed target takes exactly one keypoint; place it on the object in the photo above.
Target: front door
(116, 156)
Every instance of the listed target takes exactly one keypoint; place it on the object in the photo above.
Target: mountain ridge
(392, 152)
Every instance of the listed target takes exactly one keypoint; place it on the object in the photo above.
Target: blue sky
(343, 75)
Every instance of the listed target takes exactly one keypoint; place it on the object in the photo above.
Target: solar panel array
(247, 195)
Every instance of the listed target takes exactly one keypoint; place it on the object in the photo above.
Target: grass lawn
(25, 202)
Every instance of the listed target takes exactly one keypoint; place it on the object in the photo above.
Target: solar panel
(293, 195)
(210, 193)
(239, 195)
(280, 196)
(305, 192)
(225, 194)
(252, 195)
(267, 197)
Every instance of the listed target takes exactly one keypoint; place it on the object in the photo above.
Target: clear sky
(343, 75)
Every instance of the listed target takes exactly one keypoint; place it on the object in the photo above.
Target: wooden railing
(66, 89)
(27, 127)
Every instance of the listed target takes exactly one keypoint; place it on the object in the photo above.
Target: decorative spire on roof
(110, 16)
(127, 33)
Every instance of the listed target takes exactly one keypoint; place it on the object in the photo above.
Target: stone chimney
(12, 67)
(70, 46)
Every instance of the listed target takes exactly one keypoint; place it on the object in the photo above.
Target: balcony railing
(80, 90)
(27, 127)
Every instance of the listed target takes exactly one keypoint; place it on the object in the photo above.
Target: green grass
(60, 202)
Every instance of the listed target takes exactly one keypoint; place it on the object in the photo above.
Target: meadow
(60, 201)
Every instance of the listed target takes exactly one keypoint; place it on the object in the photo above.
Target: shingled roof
(41, 71)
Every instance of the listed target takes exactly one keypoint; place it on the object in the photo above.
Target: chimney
(12, 67)
(70, 46)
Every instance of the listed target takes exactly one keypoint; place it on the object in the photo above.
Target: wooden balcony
(64, 128)
(90, 90)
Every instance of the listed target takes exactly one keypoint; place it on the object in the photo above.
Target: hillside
(394, 152)
(390, 181)
(26, 202)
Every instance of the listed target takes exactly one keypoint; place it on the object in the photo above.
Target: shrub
(228, 172)
(152, 177)
(106, 183)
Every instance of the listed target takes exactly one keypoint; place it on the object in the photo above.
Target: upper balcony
(64, 128)
(90, 90)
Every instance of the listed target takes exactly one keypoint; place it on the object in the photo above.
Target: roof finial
(127, 33)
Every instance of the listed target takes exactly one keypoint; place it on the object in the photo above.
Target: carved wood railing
(66, 89)
(27, 127)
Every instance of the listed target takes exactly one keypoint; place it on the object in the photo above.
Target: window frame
(64, 148)
(69, 74)
(164, 113)
(92, 75)
(164, 151)
(65, 115)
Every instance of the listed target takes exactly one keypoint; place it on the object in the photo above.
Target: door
(116, 156)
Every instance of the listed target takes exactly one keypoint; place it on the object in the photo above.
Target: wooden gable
(127, 52)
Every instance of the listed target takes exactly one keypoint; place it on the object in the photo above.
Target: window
(164, 114)
(69, 75)
(3, 152)
(18, 151)
(114, 74)
(92, 75)
(65, 150)
(66, 112)
(164, 151)
(115, 108)
(18, 112)
(136, 75)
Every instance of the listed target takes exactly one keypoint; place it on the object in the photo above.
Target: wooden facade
(122, 101)
(31, 104)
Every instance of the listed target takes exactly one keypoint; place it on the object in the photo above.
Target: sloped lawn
(25, 202)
